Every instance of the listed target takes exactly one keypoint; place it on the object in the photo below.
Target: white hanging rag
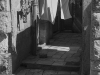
(52, 8)
(65, 13)
(48, 10)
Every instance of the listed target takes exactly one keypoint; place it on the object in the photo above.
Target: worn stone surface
(5, 22)
(97, 25)
(86, 37)
(5, 27)
(5, 64)
(3, 43)
(45, 72)
(94, 72)
(56, 58)
(51, 53)
(59, 63)
(95, 52)
(45, 62)
(73, 59)
(97, 49)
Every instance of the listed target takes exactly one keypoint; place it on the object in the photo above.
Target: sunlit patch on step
(58, 48)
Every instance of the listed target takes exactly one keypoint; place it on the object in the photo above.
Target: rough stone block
(56, 56)
(36, 71)
(3, 43)
(95, 65)
(97, 49)
(60, 53)
(73, 59)
(62, 60)
(4, 4)
(94, 72)
(5, 22)
(5, 64)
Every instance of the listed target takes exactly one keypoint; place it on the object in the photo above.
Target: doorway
(60, 45)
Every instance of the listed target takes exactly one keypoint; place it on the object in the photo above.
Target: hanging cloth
(43, 9)
(48, 10)
(52, 9)
(65, 13)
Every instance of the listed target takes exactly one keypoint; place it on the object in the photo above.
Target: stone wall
(5, 28)
(95, 30)
(20, 40)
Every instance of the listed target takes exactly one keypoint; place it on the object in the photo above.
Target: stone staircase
(61, 57)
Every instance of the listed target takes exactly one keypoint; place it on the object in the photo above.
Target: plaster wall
(21, 35)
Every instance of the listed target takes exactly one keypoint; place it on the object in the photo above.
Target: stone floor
(64, 50)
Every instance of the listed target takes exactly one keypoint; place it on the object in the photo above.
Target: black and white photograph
(49, 37)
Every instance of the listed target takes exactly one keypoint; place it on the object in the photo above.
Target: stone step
(63, 60)
(44, 72)
(50, 64)
(51, 67)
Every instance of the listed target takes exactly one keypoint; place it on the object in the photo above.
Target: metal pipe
(34, 26)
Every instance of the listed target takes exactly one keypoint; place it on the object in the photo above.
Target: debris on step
(43, 55)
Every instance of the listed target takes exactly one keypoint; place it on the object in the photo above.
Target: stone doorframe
(91, 38)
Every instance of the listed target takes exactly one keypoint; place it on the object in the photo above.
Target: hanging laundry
(48, 10)
(43, 9)
(65, 13)
(52, 9)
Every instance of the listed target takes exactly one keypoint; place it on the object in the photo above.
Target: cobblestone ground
(64, 50)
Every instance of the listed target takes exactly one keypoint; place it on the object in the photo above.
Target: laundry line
(48, 10)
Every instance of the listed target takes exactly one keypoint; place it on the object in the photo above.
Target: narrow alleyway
(61, 57)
